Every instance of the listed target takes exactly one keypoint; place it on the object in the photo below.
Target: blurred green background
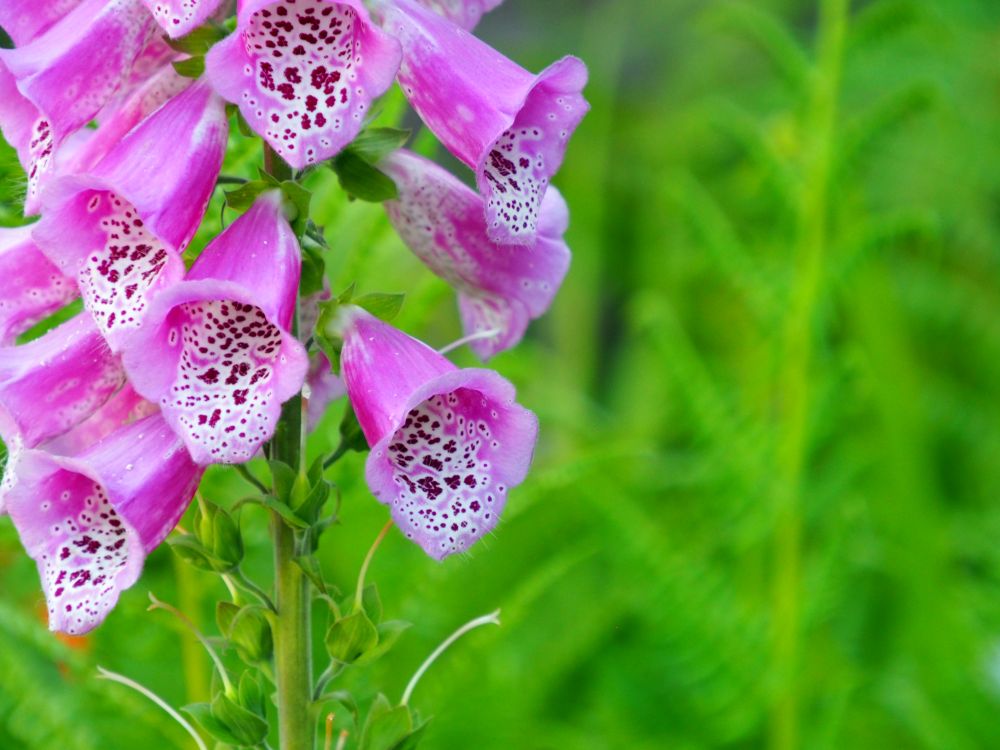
(764, 510)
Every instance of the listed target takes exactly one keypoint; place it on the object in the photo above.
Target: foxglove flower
(500, 287)
(446, 444)
(466, 13)
(303, 73)
(31, 288)
(180, 17)
(23, 20)
(63, 78)
(53, 383)
(509, 125)
(120, 228)
(215, 351)
(89, 520)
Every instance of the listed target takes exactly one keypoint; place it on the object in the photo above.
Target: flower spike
(500, 287)
(23, 20)
(90, 520)
(304, 73)
(509, 125)
(447, 444)
(31, 288)
(216, 352)
(119, 231)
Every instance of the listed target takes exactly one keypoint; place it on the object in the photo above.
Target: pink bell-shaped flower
(57, 82)
(90, 520)
(215, 352)
(500, 287)
(31, 288)
(53, 383)
(120, 228)
(509, 125)
(446, 444)
(23, 20)
(304, 73)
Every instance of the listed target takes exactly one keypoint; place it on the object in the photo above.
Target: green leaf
(372, 602)
(290, 516)
(243, 197)
(375, 143)
(389, 633)
(361, 180)
(327, 335)
(310, 566)
(283, 479)
(193, 67)
(203, 716)
(198, 41)
(313, 272)
(251, 693)
(386, 726)
(350, 637)
(227, 542)
(297, 200)
(382, 305)
(411, 741)
(189, 549)
(225, 612)
(312, 506)
(246, 726)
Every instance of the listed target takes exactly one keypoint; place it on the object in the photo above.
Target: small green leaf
(326, 333)
(250, 634)
(383, 306)
(386, 726)
(344, 698)
(251, 693)
(389, 633)
(350, 637)
(363, 181)
(375, 143)
(225, 612)
(290, 516)
(246, 726)
(312, 506)
(243, 197)
(310, 566)
(189, 549)
(198, 41)
(283, 479)
(193, 67)
(297, 200)
(313, 272)
(227, 542)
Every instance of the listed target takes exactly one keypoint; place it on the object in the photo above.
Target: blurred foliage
(764, 509)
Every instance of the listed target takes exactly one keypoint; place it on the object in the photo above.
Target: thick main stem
(794, 378)
(292, 636)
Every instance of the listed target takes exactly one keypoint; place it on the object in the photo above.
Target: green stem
(794, 377)
(292, 636)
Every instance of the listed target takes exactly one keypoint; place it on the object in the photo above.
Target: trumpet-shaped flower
(500, 287)
(120, 228)
(89, 520)
(466, 13)
(180, 17)
(303, 73)
(31, 288)
(215, 351)
(509, 125)
(63, 78)
(446, 444)
(53, 383)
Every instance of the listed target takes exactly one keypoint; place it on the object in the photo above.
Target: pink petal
(31, 288)
(325, 387)
(303, 73)
(180, 17)
(501, 287)
(78, 64)
(89, 521)
(466, 13)
(509, 125)
(23, 20)
(53, 383)
(120, 232)
(447, 444)
(215, 351)
(30, 133)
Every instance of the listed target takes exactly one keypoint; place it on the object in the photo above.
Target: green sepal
(351, 434)
(283, 479)
(361, 180)
(225, 613)
(297, 200)
(350, 637)
(287, 514)
(203, 716)
(386, 726)
(227, 545)
(375, 143)
(191, 551)
(252, 694)
(389, 632)
(309, 565)
(372, 602)
(197, 41)
(311, 508)
(344, 698)
(193, 67)
(243, 197)
(313, 271)
(382, 305)
(250, 634)
(246, 727)
(326, 333)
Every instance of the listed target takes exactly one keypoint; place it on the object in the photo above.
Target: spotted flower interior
(448, 494)
(223, 398)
